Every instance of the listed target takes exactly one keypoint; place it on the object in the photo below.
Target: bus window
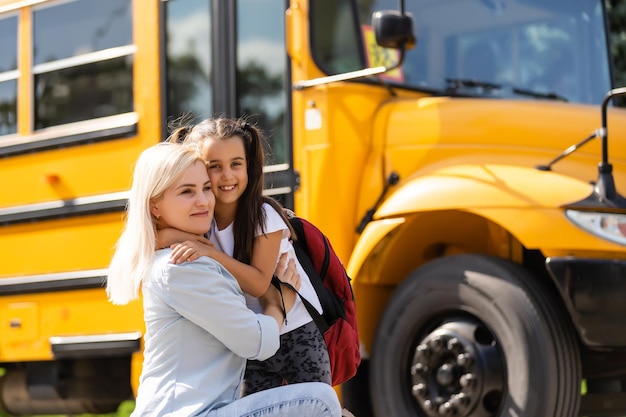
(8, 74)
(335, 36)
(261, 62)
(83, 60)
(260, 73)
(506, 49)
(188, 59)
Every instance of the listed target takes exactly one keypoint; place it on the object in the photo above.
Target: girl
(199, 331)
(248, 234)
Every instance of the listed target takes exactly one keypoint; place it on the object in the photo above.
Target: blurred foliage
(617, 42)
(124, 410)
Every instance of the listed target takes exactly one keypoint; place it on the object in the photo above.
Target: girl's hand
(190, 250)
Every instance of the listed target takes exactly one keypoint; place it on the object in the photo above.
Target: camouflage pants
(302, 357)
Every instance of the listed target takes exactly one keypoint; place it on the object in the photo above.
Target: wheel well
(431, 235)
(428, 236)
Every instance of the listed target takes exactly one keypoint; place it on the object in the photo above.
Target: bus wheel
(474, 336)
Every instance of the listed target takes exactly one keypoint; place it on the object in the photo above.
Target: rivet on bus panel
(52, 179)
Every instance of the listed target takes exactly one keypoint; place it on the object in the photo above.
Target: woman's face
(188, 204)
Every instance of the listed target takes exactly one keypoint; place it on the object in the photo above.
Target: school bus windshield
(519, 49)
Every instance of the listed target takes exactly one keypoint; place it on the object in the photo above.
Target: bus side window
(83, 71)
(8, 74)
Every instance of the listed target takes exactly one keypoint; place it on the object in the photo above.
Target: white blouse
(224, 240)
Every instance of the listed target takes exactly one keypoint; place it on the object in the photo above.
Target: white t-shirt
(224, 240)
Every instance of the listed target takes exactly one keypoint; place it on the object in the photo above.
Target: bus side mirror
(393, 29)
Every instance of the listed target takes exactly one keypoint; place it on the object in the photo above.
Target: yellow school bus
(465, 157)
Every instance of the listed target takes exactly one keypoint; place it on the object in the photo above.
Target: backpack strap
(298, 227)
(326, 262)
(276, 283)
(316, 277)
(319, 320)
(300, 245)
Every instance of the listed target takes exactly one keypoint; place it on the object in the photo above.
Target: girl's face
(228, 168)
(188, 203)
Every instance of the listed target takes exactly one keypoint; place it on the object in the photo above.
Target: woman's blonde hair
(156, 169)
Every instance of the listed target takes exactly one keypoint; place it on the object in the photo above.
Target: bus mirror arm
(352, 75)
(392, 29)
(369, 214)
(604, 194)
(367, 72)
(571, 149)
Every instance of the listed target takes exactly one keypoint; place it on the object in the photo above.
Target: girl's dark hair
(179, 134)
(250, 213)
(180, 128)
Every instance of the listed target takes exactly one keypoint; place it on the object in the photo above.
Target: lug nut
(461, 399)
(419, 369)
(446, 409)
(454, 344)
(423, 350)
(428, 405)
(436, 343)
(419, 390)
(467, 380)
(464, 359)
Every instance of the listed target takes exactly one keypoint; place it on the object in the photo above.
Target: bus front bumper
(594, 291)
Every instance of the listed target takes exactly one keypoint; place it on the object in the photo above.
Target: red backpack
(332, 285)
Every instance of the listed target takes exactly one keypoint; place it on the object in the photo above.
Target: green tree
(261, 97)
(617, 42)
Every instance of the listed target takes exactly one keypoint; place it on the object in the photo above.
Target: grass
(124, 410)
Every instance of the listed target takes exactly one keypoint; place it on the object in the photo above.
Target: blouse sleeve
(273, 222)
(208, 295)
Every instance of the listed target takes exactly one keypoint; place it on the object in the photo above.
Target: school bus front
(474, 193)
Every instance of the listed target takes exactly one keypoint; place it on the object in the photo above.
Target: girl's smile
(228, 168)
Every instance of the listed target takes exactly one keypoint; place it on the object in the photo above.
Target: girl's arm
(255, 278)
(169, 236)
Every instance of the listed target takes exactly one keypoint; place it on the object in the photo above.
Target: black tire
(474, 336)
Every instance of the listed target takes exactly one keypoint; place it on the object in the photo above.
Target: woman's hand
(272, 305)
(289, 273)
(286, 272)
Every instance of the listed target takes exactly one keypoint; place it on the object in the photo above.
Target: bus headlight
(609, 226)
